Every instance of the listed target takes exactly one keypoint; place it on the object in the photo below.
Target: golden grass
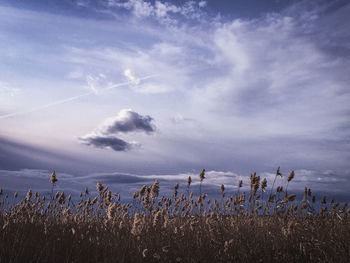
(246, 226)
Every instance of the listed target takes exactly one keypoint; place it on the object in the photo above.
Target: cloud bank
(320, 182)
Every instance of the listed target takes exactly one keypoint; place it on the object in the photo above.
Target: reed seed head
(62, 198)
(157, 219)
(309, 193)
(264, 184)
(278, 173)
(155, 189)
(28, 196)
(189, 181)
(202, 175)
(291, 197)
(99, 187)
(143, 190)
(175, 190)
(291, 176)
(53, 178)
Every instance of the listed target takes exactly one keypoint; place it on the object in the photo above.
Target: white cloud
(273, 77)
(76, 74)
(150, 88)
(139, 8)
(82, 3)
(164, 12)
(96, 83)
(178, 118)
(169, 63)
(7, 91)
(131, 77)
(162, 9)
(202, 3)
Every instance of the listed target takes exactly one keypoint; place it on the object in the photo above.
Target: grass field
(263, 224)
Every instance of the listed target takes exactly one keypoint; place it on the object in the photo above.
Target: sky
(129, 91)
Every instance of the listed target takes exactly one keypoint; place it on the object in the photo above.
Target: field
(259, 225)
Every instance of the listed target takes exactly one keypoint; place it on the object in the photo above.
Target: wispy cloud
(93, 90)
(6, 90)
(276, 77)
(179, 118)
(131, 77)
(165, 12)
(59, 102)
(95, 82)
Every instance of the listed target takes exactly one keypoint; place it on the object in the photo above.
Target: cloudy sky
(127, 91)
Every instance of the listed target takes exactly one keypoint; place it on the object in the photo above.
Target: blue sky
(135, 90)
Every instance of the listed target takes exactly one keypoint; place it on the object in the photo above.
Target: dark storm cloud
(128, 121)
(114, 143)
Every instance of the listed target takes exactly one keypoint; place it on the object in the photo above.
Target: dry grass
(258, 225)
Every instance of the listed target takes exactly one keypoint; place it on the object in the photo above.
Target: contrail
(70, 99)
(129, 82)
(45, 106)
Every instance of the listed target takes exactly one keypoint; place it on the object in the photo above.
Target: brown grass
(244, 227)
